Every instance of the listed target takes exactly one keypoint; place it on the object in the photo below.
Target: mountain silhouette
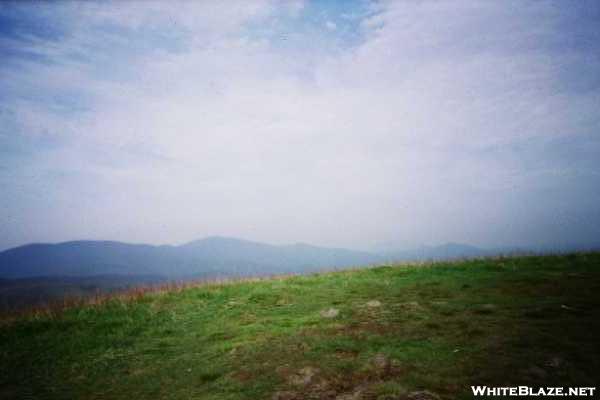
(212, 256)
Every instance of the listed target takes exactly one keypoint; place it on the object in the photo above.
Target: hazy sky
(342, 123)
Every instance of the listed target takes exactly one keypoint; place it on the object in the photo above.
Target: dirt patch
(313, 383)
(381, 367)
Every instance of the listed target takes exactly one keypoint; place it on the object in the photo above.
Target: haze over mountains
(209, 257)
(205, 258)
(37, 273)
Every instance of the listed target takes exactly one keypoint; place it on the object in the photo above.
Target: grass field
(380, 333)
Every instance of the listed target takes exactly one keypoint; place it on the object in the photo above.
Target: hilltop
(391, 332)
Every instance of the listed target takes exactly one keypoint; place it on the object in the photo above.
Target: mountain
(83, 258)
(205, 258)
(38, 273)
(209, 257)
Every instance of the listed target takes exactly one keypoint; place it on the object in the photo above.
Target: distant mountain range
(37, 272)
(209, 257)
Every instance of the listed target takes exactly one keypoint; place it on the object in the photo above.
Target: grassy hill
(382, 333)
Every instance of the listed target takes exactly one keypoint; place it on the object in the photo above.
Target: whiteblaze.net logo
(519, 391)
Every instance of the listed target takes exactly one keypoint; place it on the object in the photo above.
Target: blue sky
(364, 124)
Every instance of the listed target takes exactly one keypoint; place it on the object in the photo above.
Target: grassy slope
(533, 320)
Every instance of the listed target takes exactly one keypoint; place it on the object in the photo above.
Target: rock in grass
(374, 303)
(330, 313)
(304, 377)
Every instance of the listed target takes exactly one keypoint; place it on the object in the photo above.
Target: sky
(359, 124)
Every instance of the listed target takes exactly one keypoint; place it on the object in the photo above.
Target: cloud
(409, 123)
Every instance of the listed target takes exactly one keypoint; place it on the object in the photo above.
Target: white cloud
(217, 129)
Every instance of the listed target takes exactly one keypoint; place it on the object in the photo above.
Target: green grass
(442, 327)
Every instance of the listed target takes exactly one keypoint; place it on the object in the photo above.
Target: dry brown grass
(55, 308)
